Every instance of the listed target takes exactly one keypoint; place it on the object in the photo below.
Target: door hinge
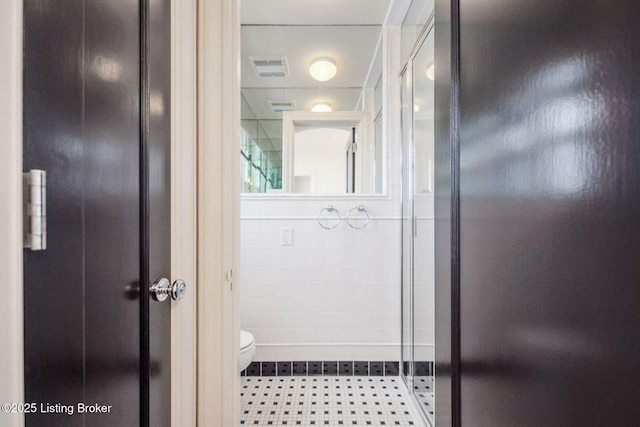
(34, 209)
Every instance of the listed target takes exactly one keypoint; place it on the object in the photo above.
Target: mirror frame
(291, 119)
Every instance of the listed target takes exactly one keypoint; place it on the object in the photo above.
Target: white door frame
(218, 212)
(183, 210)
(11, 303)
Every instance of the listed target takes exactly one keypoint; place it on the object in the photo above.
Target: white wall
(320, 154)
(333, 294)
(11, 336)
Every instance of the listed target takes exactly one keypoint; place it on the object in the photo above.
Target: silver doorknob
(162, 289)
(178, 289)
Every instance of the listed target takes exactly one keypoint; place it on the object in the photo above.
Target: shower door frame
(408, 143)
(407, 135)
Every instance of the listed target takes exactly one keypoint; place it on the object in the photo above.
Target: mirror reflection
(291, 62)
(320, 160)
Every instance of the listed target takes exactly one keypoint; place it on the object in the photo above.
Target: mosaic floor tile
(325, 401)
(423, 387)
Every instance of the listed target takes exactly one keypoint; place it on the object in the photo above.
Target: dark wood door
(97, 121)
(549, 205)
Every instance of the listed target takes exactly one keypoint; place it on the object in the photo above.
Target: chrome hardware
(359, 208)
(162, 289)
(34, 218)
(329, 208)
(178, 289)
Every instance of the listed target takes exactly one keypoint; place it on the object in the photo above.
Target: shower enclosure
(418, 319)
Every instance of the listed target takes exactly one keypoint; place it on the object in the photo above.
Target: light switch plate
(286, 236)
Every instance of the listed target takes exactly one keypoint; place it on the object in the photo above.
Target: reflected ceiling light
(431, 72)
(107, 69)
(156, 104)
(416, 108)
(321, 107)
(323, 69)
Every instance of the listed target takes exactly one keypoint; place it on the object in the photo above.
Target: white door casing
(184, 208)
(218, 211)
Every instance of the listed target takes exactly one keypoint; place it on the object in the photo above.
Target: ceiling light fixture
(431, 72)
(323, 69)
(321, 107)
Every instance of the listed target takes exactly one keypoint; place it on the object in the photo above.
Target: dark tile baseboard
(310, 368)
(420, 369)
(339, 368)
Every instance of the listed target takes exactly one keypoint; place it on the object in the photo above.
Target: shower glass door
(423, 221)
(407, 232)
(418, 310)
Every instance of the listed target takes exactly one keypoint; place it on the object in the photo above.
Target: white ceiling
(258, 100)
(314, 12)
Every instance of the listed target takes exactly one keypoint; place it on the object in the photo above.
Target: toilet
(247, 350)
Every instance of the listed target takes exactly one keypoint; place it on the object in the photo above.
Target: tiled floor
(424, 392)
(330, 400)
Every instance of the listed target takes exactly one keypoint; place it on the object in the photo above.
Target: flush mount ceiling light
(431, 72)
(321, 107)
(323, 69)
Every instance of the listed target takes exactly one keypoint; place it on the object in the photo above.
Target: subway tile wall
(332, 294)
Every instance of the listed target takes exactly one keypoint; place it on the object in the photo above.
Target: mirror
(311, 97)
(327, 153)
(319, 160)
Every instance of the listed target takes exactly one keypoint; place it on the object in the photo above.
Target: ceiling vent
(280, 106)
(270, 67)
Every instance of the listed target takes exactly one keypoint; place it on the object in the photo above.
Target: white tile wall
(333, 294)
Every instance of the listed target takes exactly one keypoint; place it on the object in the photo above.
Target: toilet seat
(247, 350)
(246, 340)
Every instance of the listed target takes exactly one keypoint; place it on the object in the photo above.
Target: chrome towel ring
(359, 208)
(329, 209)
